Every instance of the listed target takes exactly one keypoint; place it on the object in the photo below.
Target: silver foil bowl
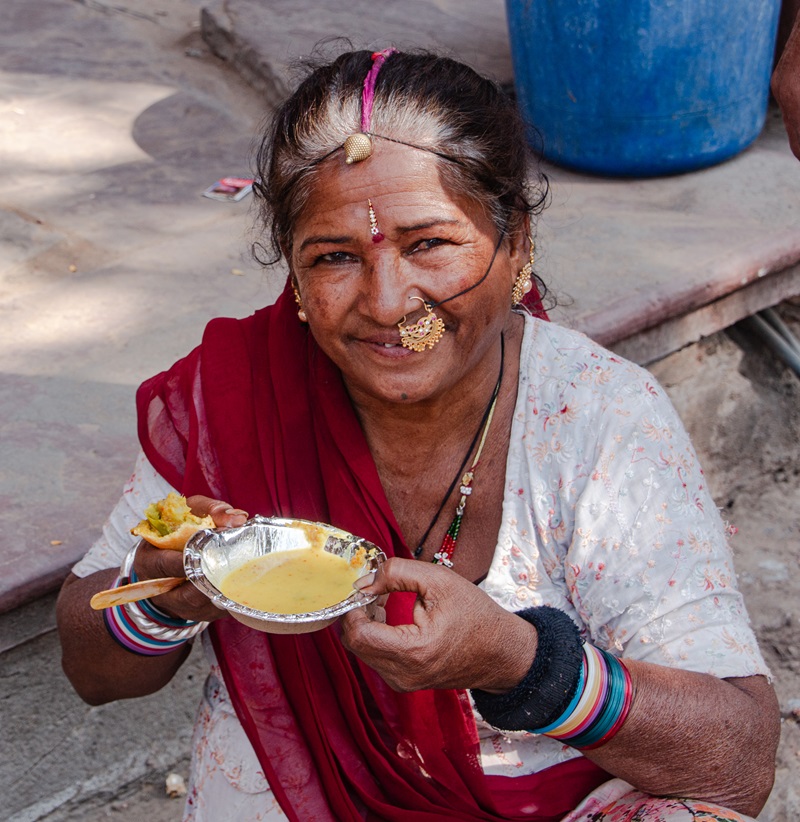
(209, 556)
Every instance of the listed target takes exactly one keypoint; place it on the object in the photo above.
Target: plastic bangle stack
(142, 628)
(573, 692)
(600, 704)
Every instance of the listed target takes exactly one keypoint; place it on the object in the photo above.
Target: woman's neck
(405, 437)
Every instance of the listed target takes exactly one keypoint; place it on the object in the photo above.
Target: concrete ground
(114, 122)
(115, 119)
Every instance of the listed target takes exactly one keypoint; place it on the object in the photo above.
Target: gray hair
(432, 103)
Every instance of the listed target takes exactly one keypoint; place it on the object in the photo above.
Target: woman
(545, 514)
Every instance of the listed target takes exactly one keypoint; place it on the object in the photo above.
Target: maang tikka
(524, 282)
(424, 333)
(358, 146)
(377, 236)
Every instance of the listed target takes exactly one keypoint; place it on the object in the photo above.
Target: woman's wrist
(550, 682)
(573, 692)
(142, 628)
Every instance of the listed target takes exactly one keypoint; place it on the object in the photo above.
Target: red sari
(259, 416)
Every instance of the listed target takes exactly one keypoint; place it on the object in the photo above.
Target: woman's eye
(334, 257)
(427, 245)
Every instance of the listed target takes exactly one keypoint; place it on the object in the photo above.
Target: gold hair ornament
(424, 333)
(357, 147)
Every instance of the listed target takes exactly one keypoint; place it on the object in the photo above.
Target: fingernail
(236, 512)
(364, 582)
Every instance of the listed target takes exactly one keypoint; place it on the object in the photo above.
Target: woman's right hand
(98, 668)
(459, 638)
(186, 601)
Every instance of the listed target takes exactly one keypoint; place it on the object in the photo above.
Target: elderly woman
(562, 638)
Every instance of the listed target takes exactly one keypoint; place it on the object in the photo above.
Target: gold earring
(524, 282)
(424, 333)
(301, 314)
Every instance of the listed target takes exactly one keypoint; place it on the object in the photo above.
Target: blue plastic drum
(643, 87)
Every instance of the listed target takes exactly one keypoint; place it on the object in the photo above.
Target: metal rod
(773, 318)
(760, 328)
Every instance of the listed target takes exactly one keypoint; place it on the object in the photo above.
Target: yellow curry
(293, 582)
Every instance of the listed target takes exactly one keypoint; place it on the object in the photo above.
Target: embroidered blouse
(606, 515)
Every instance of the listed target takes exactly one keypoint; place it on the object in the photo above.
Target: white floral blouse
(606, 515)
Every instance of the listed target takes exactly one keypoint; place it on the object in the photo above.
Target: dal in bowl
(284, 576)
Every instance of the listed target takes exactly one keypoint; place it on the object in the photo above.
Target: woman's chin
(395, 384)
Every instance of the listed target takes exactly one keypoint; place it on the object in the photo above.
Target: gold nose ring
(424, 333)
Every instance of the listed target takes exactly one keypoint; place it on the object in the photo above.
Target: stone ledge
(263, 39)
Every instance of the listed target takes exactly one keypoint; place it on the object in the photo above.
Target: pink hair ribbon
(368, 94)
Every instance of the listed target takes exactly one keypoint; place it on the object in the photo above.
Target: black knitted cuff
(547, 689)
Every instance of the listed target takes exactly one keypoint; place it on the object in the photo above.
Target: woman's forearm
(99, 669)
(686, 734)
(693, 735)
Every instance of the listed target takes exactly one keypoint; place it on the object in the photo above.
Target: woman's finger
(187, 602)
(152, 562)
(421, 578)
(223, 513)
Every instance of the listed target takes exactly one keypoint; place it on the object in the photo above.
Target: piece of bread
(169, 523)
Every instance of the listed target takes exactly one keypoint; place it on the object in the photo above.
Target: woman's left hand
(460, 637)
(186, 601)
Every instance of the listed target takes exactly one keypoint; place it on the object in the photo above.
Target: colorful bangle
(602, 707)
(142, 628)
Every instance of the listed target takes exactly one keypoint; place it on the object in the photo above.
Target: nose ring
(424, 333)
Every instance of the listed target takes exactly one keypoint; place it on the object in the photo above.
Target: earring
(373, 224)
(424, 333)
(524, 282)
(301, 314)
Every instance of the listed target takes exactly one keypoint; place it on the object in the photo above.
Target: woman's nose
(386, 292)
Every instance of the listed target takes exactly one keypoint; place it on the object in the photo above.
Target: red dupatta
(259, 416)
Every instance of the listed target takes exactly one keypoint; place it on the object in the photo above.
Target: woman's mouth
(385, 343)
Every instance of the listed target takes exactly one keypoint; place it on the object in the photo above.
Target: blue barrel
(643, 87)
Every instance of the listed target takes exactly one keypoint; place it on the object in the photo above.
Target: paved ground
(114, 123)
(115, 119)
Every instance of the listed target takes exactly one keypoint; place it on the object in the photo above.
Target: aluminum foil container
(210, 555)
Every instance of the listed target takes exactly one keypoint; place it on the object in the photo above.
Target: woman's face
(436, 243)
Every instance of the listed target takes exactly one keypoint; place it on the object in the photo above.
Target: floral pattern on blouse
(608, 517)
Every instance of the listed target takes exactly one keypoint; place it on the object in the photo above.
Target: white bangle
(150, 620)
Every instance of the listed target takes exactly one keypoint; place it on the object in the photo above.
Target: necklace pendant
(441, 558)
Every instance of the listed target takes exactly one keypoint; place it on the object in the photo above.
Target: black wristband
(547, 689)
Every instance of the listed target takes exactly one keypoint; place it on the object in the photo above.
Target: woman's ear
(520, 246)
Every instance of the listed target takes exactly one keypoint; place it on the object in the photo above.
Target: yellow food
(293, 582)
(169, 523)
